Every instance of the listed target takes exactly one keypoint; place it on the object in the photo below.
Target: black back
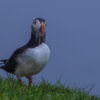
(11, 64)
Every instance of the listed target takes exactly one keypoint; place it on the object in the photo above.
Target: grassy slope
(11, 90)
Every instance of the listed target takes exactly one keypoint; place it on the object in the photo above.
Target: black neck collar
(35, 40)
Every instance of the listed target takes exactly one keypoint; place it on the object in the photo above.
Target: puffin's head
(38, 26)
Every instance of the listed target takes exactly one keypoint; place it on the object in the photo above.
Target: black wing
(11, 63)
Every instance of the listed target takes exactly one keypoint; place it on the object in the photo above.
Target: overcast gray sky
(73, 34)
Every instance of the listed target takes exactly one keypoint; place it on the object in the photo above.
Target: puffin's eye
(36, 24)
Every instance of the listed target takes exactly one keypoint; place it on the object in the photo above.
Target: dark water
(73, 35)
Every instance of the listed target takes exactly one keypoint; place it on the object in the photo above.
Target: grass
(11, 90)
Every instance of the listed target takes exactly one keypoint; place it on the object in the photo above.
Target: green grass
(11, 90)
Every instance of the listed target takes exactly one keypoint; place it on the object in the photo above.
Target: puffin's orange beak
(43, 29)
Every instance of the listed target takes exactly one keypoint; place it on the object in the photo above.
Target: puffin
(31, 58)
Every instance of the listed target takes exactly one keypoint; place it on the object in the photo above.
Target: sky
(73, 35)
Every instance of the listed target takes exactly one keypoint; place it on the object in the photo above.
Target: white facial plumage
(36, 25)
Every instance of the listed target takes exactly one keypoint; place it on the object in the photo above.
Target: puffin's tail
(3, 61)
(2, 67)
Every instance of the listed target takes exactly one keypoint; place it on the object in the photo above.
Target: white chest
(33, 60)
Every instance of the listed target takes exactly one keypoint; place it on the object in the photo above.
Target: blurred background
(73, 35)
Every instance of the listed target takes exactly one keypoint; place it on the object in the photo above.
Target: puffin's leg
(30, 80)
(20, 81)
